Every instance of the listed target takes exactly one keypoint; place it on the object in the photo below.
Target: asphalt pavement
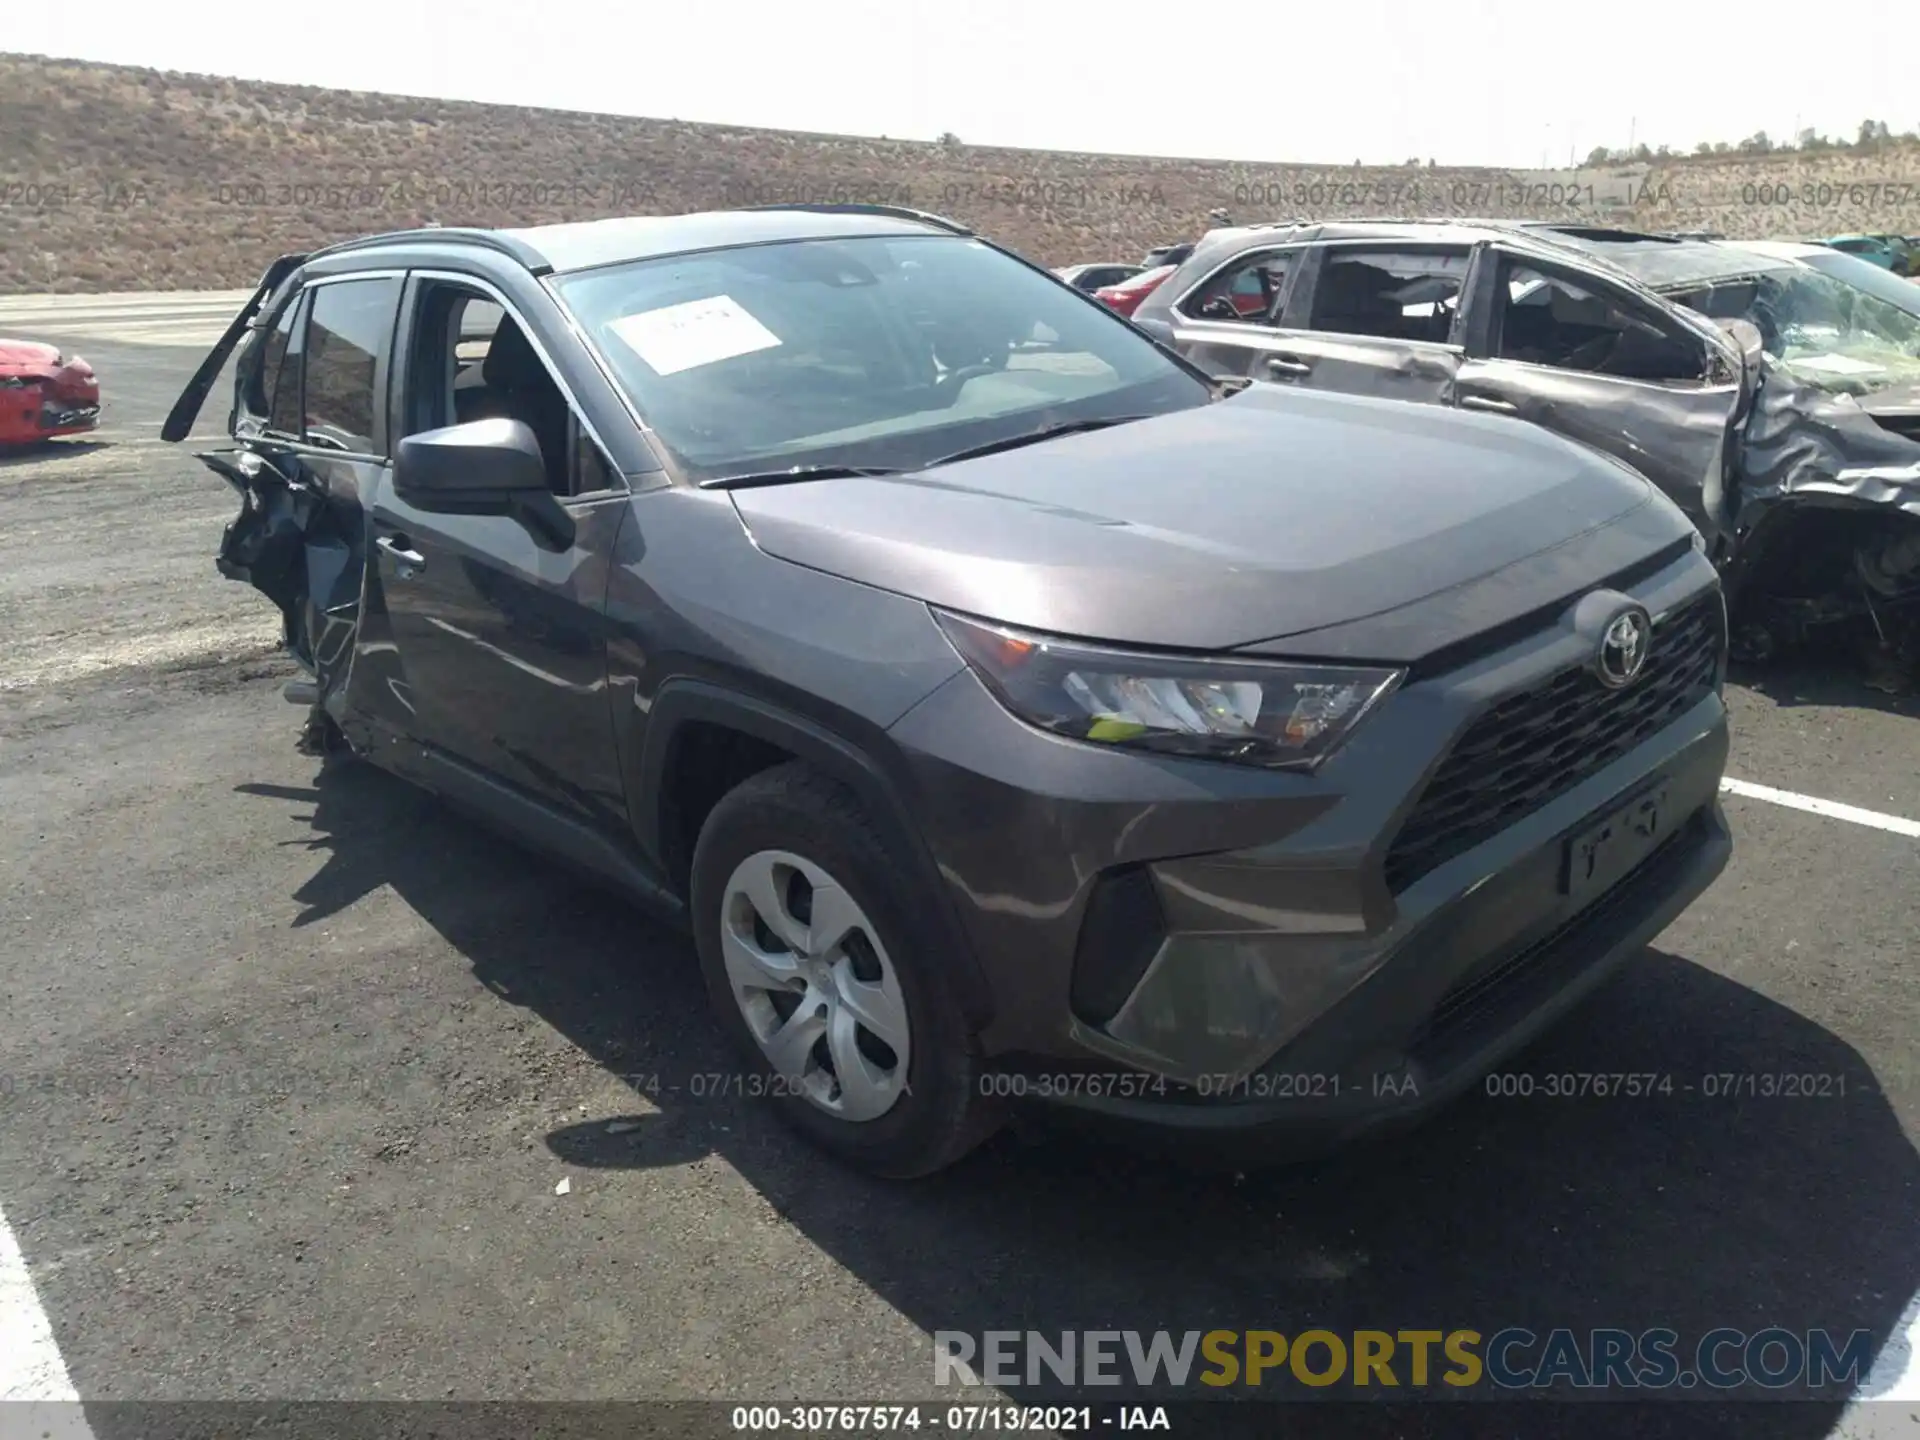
(293, 1063)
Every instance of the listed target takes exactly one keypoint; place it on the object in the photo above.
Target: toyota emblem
(1623, 649)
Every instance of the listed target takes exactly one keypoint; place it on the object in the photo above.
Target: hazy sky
(1471, 82)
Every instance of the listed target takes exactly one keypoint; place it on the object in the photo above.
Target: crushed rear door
(1617, 368)
(299, 535)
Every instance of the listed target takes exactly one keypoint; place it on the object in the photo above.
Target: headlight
(1279, 715)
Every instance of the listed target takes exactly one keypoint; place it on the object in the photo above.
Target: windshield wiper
(849, 472)
(1029, 437)
(797, 472)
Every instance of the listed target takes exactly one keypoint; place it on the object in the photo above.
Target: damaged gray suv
(1014, 713)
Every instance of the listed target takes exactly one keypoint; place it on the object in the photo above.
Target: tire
(799, 831)
(321, 738)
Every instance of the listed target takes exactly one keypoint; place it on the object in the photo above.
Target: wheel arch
(687, 712)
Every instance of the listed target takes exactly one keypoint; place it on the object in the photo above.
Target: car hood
(20, 357)
(67, 378)
(1274, 513)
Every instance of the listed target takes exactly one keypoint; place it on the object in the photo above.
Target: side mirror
(484, 467)
(471, 469)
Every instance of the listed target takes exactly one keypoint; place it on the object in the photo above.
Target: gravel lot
(292, 1062)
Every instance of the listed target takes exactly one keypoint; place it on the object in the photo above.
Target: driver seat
(518, 387)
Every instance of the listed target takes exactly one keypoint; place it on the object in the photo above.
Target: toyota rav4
(1011, 710)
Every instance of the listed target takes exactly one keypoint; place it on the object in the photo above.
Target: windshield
(884, 352)
(1830, 332)
(1865, 275)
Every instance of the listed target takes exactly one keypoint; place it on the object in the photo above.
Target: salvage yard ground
(292, 1063)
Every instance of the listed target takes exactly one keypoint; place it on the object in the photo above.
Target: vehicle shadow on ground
(46, 450)
(1685, 1210)
(1835, 682)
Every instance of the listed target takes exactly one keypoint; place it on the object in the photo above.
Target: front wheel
(821, 966)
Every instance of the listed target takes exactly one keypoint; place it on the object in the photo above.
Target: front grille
(1482, 996)
(1535, 746)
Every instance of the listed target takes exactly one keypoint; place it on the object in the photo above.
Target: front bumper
(61, 418)
(1295, 990)
(31, 412)
(1393, 1051)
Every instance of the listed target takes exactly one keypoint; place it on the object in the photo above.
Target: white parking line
(1832, 809)
(31, 1369)
(1885, 1405)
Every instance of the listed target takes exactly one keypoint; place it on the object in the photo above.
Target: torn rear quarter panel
(302, 549)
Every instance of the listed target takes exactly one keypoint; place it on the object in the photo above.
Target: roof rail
(435, 234)
(1454, 222)
(899, 212)
(1619, 233)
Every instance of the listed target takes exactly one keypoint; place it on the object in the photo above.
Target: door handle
(396, 546)
(1288, 365)
(1487, 402)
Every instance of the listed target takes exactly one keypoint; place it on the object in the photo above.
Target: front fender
(685, 702)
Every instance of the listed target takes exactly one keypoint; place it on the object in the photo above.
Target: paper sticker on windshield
(680, 337)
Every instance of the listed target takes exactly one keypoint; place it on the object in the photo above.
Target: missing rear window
(1395, 295)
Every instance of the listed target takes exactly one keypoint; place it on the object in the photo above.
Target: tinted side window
(283, 403)
(1719, 299)
(1246, 290)
(1397, 295)
(1570, 323)
(263, 367)
(350, 330)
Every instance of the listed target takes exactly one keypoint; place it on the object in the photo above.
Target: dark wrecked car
(1013, 713)
(1782, 421)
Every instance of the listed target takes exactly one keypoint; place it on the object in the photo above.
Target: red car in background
(1127, 295)
(44, 392)
(1247, 296)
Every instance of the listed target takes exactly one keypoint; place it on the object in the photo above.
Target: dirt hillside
(114, 178)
